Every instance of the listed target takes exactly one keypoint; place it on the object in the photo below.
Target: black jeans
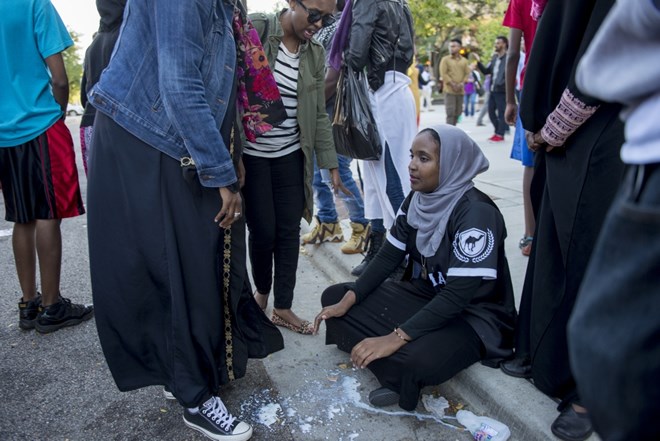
(274, 200)
(496, 108)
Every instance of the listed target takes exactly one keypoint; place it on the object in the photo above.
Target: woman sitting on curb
(455, 306)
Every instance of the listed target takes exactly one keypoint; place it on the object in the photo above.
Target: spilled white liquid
(268, 414)
(339, 396)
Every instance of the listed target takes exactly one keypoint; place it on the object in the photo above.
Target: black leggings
(274, 201)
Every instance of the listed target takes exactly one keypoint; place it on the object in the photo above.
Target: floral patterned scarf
(258, 98)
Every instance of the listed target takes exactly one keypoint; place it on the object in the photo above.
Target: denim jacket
(170, 79)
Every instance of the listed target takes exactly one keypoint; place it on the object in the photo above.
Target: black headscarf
(111, 12)
(99, 52)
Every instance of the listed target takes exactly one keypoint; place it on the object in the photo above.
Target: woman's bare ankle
(261, 299)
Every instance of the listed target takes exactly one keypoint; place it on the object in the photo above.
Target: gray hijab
(461, 160)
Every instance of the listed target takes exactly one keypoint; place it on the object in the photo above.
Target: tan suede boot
(324, 232)
(358, 241)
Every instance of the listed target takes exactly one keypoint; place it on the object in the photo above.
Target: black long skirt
(578, 185)
(156, 260)
(428, 360)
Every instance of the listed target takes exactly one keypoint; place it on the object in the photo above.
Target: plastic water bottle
(483, 428)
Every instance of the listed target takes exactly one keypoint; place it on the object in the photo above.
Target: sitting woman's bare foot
(288, 319)
(261, 299)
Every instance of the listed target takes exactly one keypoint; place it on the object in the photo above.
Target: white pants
(426, 96)
(394, 110)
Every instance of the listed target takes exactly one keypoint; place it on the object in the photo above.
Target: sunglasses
(314, 15)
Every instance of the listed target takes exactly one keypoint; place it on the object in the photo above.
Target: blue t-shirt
(30, 32)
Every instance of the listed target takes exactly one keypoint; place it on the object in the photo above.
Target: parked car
(74, 110)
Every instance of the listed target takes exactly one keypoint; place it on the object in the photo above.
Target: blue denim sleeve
(181, 40)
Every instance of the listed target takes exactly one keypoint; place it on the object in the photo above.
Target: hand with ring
(231, 208)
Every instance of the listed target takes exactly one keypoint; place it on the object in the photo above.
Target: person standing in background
(497, 99)
(427, 88)
(483, 110)
(382, 43)
(97, 58)
(413, 74)
(523, 25)
(522, 30)
(455, 72)
(327, 228)
(38, 172)
(471, 93)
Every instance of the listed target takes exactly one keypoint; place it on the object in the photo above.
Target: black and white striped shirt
(284, 138)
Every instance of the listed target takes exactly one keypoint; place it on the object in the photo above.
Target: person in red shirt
(522, 29)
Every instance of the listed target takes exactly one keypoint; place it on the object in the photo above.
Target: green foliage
(74, 67)
(485, 34)
(438, 21)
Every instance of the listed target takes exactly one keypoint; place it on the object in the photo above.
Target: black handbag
(354, 126)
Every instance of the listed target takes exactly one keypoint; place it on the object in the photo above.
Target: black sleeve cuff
(386, 261)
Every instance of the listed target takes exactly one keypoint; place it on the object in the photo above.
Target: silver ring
(238, 213)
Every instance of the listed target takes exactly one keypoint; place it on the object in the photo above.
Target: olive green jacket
(315, 129)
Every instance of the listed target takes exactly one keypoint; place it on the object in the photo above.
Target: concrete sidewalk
(57, 386)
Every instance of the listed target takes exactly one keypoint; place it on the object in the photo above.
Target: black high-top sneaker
(28, 312)
(214, 420)
(62, 314)
(376, 241)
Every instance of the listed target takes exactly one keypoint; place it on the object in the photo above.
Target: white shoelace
(215, 409)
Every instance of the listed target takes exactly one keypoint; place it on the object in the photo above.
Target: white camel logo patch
(473, 244)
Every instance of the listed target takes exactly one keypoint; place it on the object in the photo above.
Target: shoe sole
(384, 398)
(565, 437)
(26, 325)
(168, 395)
(238, 437)
(46, 329)
(515, 374)
(352, 251)
(317, 242)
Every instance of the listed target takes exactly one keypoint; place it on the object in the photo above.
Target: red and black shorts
(40, 179)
